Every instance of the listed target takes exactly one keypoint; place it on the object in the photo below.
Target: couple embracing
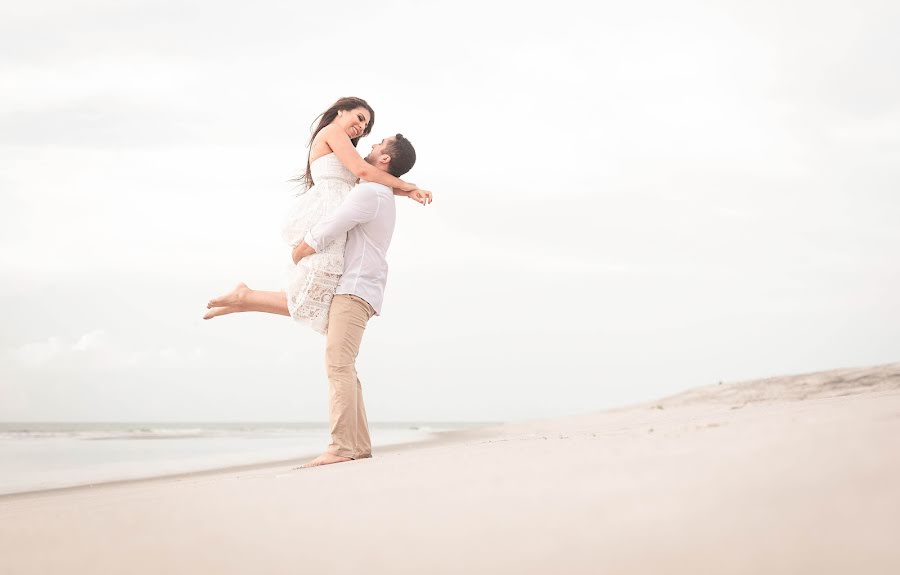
(340, 229)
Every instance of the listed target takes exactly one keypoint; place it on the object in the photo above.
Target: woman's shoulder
(320, 146)
(328, 131)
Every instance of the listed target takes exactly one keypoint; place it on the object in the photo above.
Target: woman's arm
(343, 148)
(424, 197)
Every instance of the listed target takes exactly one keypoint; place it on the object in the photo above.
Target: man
(367, 216)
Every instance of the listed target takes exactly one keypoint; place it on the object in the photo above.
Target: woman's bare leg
(243, 298)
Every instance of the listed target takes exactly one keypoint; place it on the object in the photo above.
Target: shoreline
(436, 438)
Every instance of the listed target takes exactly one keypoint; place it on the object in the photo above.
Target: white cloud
(97, 350)
(91, 340)
(37, 354)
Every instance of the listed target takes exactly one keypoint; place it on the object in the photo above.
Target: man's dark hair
(403, 156)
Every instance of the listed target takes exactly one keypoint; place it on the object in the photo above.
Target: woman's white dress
(311, 283)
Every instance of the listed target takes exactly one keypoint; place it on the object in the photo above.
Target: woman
(333, 167)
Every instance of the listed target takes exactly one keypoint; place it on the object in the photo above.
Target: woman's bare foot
(325, 459)
(217, 311)
(228, 303)
(232, 298)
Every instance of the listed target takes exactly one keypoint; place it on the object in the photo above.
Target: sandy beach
(797, 474)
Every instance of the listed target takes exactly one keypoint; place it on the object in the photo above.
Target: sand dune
(797, 474)
(833, 383)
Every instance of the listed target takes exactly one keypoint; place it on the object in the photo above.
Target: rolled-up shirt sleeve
(360, 206)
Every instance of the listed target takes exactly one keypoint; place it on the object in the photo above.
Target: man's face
(378, 150)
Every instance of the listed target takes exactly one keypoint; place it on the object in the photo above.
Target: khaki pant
(347, 320)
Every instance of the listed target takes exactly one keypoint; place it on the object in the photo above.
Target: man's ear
(384, 159)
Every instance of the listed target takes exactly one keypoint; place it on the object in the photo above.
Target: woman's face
(353, 121)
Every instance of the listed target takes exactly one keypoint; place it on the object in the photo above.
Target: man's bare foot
(228, 303)
(325, 459)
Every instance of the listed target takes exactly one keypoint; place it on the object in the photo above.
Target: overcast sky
(629, 202)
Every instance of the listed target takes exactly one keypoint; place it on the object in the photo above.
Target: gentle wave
(107, 431)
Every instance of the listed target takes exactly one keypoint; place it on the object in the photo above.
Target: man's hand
(422, 196)
(301, 251)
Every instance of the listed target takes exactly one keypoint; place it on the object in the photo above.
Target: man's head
(395, 155)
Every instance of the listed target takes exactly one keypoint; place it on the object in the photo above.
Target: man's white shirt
(367, 216)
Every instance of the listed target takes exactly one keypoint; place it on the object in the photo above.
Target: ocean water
(36, 456)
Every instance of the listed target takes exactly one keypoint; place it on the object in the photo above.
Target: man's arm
(361, 206)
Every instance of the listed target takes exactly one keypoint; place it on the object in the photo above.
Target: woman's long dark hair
(325, 118)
